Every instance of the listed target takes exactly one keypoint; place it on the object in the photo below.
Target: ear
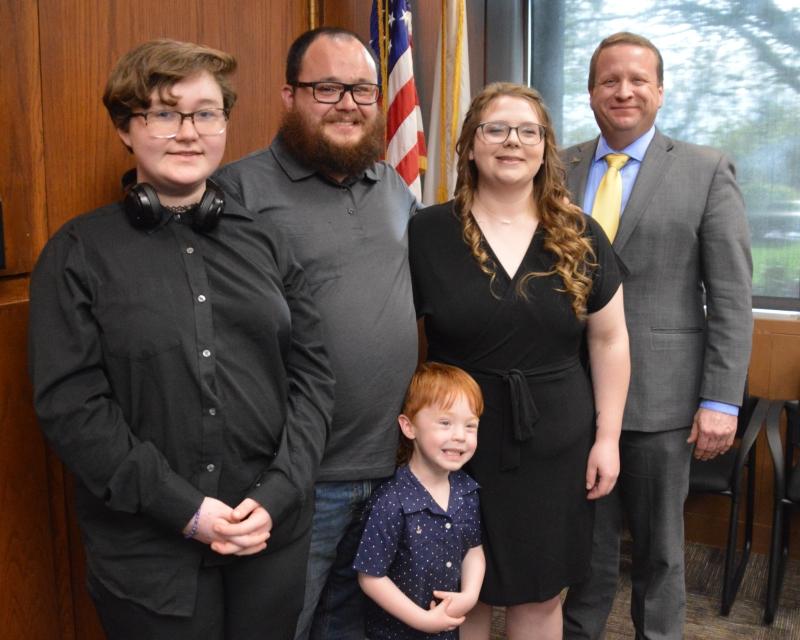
(407, 427)
(660, 96)
(471, 155)
(287, 96)
(125, 136)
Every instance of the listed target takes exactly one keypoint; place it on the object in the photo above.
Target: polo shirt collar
(297, 171)
(233, 208)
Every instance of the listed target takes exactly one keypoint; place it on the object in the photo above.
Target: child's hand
(460, 603)
(436, 619)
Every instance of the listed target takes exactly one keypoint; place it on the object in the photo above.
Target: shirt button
(206, 353)
(447, 525)
(212, 411)
(210, 467)
(189, 249)
(351, 211)
(448, 564)
(201, 298)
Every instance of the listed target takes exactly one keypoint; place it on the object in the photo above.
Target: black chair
(723, 476)
(786, 492)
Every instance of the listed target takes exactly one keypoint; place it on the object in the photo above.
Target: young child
(420, 558)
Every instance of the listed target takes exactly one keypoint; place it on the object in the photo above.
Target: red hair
(439, 385)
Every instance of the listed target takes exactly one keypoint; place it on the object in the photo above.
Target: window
(731, 80)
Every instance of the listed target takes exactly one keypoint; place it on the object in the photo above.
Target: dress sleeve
(74, 400)
(609, 271)
(425, 250)
(381, 536)
(289, 481)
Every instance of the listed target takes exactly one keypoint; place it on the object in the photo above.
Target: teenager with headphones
(179, 372)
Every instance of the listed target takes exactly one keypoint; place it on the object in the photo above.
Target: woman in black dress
(517, 286)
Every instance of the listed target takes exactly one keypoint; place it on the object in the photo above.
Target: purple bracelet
(195, 523)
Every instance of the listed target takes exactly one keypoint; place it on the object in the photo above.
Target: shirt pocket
(137, 320)
(688, 338)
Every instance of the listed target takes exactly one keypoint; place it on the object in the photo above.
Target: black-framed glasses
(363, 93)
(165, 123)
(528, 133)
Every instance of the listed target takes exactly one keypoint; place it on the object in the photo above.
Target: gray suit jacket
(684, 238)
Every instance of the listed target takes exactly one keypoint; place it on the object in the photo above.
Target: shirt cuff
(722, 407)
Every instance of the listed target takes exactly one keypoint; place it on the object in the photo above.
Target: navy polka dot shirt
(412, 540)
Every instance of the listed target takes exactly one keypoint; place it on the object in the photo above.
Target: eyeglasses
(166, 124)
(363, 93)
(498, 132)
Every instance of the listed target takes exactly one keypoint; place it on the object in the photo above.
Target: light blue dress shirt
(635, 151)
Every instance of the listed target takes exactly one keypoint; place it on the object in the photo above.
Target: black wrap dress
(538, 424)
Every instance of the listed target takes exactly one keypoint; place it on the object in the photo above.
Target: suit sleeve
(727, 272)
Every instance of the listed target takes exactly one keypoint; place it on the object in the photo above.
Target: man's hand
(713, 433)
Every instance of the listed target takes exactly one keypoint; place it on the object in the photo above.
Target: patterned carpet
(703, 584)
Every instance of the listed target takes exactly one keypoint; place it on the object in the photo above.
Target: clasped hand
(240, 531)
(440, 617)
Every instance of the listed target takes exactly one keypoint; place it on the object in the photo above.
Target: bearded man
(345, 214)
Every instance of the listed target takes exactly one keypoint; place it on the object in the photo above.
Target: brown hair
(626, 37)
(563, 223)
(158, 65)
(439, 385)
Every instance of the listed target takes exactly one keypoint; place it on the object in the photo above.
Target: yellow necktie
(608, 199)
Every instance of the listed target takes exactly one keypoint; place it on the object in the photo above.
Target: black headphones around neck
(145, 211)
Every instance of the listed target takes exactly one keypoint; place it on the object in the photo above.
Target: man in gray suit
(683, 236)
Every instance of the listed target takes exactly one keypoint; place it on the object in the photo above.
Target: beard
(307, 142)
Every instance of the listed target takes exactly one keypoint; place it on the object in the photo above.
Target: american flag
(390, 31)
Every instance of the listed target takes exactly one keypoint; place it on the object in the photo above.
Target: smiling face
(510, 163)
(178, 167)
(338, 59)
(626, 95)
(444, 438)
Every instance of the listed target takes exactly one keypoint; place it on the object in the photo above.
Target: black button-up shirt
(171, 365)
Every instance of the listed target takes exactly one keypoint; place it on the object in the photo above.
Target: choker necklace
(180, 208)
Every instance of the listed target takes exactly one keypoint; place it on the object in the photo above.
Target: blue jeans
(334, 603)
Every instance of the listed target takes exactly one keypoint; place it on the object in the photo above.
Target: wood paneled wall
(82, 40)
(61, 157)
(774, 374)
(21, 170)
(29, 604)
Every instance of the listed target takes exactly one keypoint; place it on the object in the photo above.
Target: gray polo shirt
(352, 241)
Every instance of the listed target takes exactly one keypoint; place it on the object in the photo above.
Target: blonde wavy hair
(563, 222)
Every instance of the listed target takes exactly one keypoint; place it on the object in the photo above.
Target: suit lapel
(577, 164)
(654, 167)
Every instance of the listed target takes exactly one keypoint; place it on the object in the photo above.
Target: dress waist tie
(524, 413)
